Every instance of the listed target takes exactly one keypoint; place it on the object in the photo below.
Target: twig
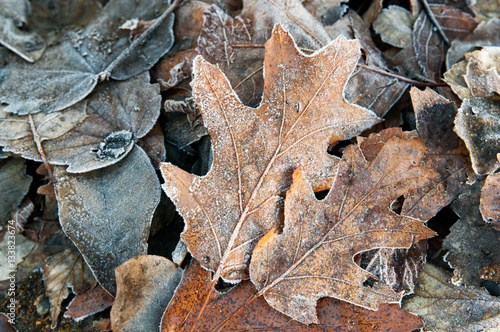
(38, 142)
(434, 21)
(375, 70)
(107, 72)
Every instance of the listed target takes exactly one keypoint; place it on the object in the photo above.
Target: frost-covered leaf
(333, 315)
(478, 124)
(184, 123)
(14, 185)
(118, 114)
(44, 86)
(105, 227)
(257, 149)
(102, 41)
(394, 25)
(89, 302)
(28, 45)
(316, 247)
(472, 244)
(145, 285)
(490, 200)
(65, 75)
(446, 307)
(62, 271)
(23, 248)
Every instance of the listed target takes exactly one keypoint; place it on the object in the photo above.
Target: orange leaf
(334, 315)
(313, 256)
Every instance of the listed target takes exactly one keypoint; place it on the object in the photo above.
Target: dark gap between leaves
(337, 150)
(441, 224)
(224, 287)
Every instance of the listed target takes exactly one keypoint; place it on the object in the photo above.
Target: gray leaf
(14, 185)
(107, 213)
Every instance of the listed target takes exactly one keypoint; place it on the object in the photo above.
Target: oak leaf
(334, 315)
(313, 256)
(256, 150)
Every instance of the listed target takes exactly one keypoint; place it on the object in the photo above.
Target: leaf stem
(38, 143)
(106, 73)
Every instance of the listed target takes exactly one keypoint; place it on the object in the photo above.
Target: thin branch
(107, 72)
(375, 70)
(434, 21)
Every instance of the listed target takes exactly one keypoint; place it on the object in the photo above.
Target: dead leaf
(145, 285)
(101, 42)
(107, 229)
(65, 75)
(256, 150)
(313, 256)
(62, 271)
(184, 123)
(154, 145)
(472, 244)
(5, 323)
(394, 25)
(477, 75)
(446, 307)
(258, 315)
(89, 302)
(23, 248)
(477, 122)
(14, 184)
(486, 34)
(485, 9)
(21, 215)
(28, 45)
(490, 198)
(118, 114)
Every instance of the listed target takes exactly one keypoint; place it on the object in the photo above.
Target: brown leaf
(256, 150)
(154, 145)
(455, 23)
(490, 198)
(333, 315)
(394, 25)
(472, 244)
(485, 9)
(486, 34)
(60, 272)
(145, 285)
(313, 256)
(428, 47)
(446, 307)
(91, 301)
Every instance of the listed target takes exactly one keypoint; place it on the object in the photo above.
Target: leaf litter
(100, 122)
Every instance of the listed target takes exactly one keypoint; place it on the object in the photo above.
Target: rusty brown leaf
(256, 150)
(490, 200)
(333, 315)
(91, 301)
(313, 256)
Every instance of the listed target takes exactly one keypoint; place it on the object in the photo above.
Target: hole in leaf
(321, 194)
(338, 149)
(397, 205)
(492, 287)
(224, 287)
(369, 282)
(441, 224)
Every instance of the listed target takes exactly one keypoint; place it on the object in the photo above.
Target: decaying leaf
(145, 285)
(118, 114)
(477, 75)
(256, 150)
(485, 9)
(68, 72)
(258, 315)
(107, 229)
(313, 256)
(28, 45)
(394, 25)
(490, 200)
(23, 248)
(102, 41)
(89, 302)
(62, 271)
(14, 185)
(472, 244)
(478, 124)
(446, 307)
(487, 33)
